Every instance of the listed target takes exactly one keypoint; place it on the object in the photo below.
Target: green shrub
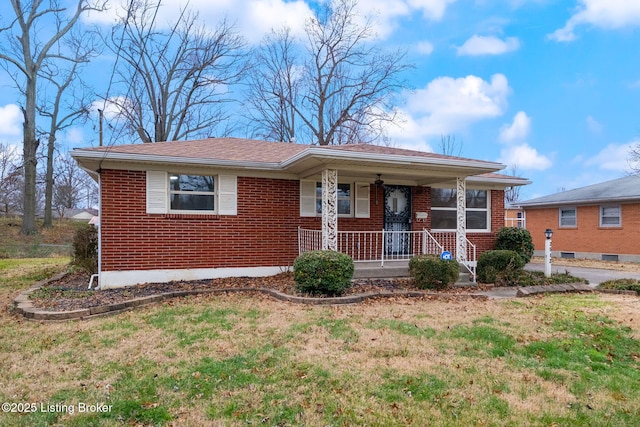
(622, 285)
(323, 273)
(515, 239)
(495, 265)
(85, 249)
(431, 272)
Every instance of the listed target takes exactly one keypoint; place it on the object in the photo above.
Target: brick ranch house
(600, 221)
(224, 207)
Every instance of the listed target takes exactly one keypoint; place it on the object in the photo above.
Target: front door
(397, 218)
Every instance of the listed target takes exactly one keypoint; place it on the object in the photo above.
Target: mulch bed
(70, 292)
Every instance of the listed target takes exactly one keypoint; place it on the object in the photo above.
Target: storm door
(397, 218)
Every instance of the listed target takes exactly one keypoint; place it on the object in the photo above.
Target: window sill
(192, 216)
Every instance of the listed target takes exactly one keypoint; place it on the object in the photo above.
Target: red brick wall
(263, 233)
(588, 236)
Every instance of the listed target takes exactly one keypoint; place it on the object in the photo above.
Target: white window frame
(318, 197)
(619, 216)
(454, 209)
(159, 194)
(560, 217)
(360, 198)
(213, 193)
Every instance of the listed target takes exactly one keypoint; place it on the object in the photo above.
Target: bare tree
(274, 87)
(10, 180)
(29, 38)
(342, 88)
(512, 194)
(72, 186)
(178, 80)
(69, 85)
(634, 159)
(449, 146)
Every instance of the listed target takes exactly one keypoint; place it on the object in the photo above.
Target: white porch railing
(447, 240)
(383, 245)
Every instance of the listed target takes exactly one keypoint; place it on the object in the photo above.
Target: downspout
(99, 275)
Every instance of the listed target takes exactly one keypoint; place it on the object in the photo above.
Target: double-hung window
(443, 209)
(344, 199)
(181, 193)
(192, 193)
(610, 216)
(568, 217)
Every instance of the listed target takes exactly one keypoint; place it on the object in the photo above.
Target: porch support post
(461, 220)
(330, 209)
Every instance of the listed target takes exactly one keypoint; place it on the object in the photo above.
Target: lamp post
(547, 252)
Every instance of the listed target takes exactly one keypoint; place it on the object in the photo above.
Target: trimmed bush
(323, 273)
(622, 285)
(85, 248)
(494, 264)
(431, 272)
(515, 239)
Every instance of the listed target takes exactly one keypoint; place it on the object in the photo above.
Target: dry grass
(591, 263)
(246, 359)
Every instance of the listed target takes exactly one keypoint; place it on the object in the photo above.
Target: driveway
(595, 276)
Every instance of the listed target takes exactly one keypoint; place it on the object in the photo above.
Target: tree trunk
(48, 190)
(30, 147)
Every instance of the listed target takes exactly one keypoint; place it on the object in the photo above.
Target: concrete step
(373, 270)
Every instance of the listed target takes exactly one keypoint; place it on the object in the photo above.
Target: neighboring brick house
(600, 221)
(226, 206)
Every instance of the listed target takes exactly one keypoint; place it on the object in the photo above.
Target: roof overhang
(309, 163)
(579, 202)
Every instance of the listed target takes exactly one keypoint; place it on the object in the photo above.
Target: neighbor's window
(443, 209)
(192, 192)
(344, 199)
(610, 216)
(568, 217)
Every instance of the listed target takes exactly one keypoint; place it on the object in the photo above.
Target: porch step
(464, 280)
(373, 270)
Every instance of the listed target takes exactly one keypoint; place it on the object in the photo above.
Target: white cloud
(425, 48)
(448, 105)
(110, 108)
(606, 14)
(525, 157)
(518, 130)
(488, 45)
(431, 9)
(389, 12)
(593, 125)
(253, 18)
(10, 121)
(614, 157)
(73, 136)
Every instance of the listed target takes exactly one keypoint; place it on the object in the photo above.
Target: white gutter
(504, 181)
(150, 158)
(579, 202)
(316, 152)
(330, 154)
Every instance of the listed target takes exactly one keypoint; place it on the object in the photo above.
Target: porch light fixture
(548, 233)
(379, 183)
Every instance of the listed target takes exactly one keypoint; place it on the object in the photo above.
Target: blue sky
(552, 87)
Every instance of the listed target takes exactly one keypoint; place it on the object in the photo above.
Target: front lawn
(250, 360)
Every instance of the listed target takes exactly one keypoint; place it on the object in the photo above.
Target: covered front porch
(391, 249)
